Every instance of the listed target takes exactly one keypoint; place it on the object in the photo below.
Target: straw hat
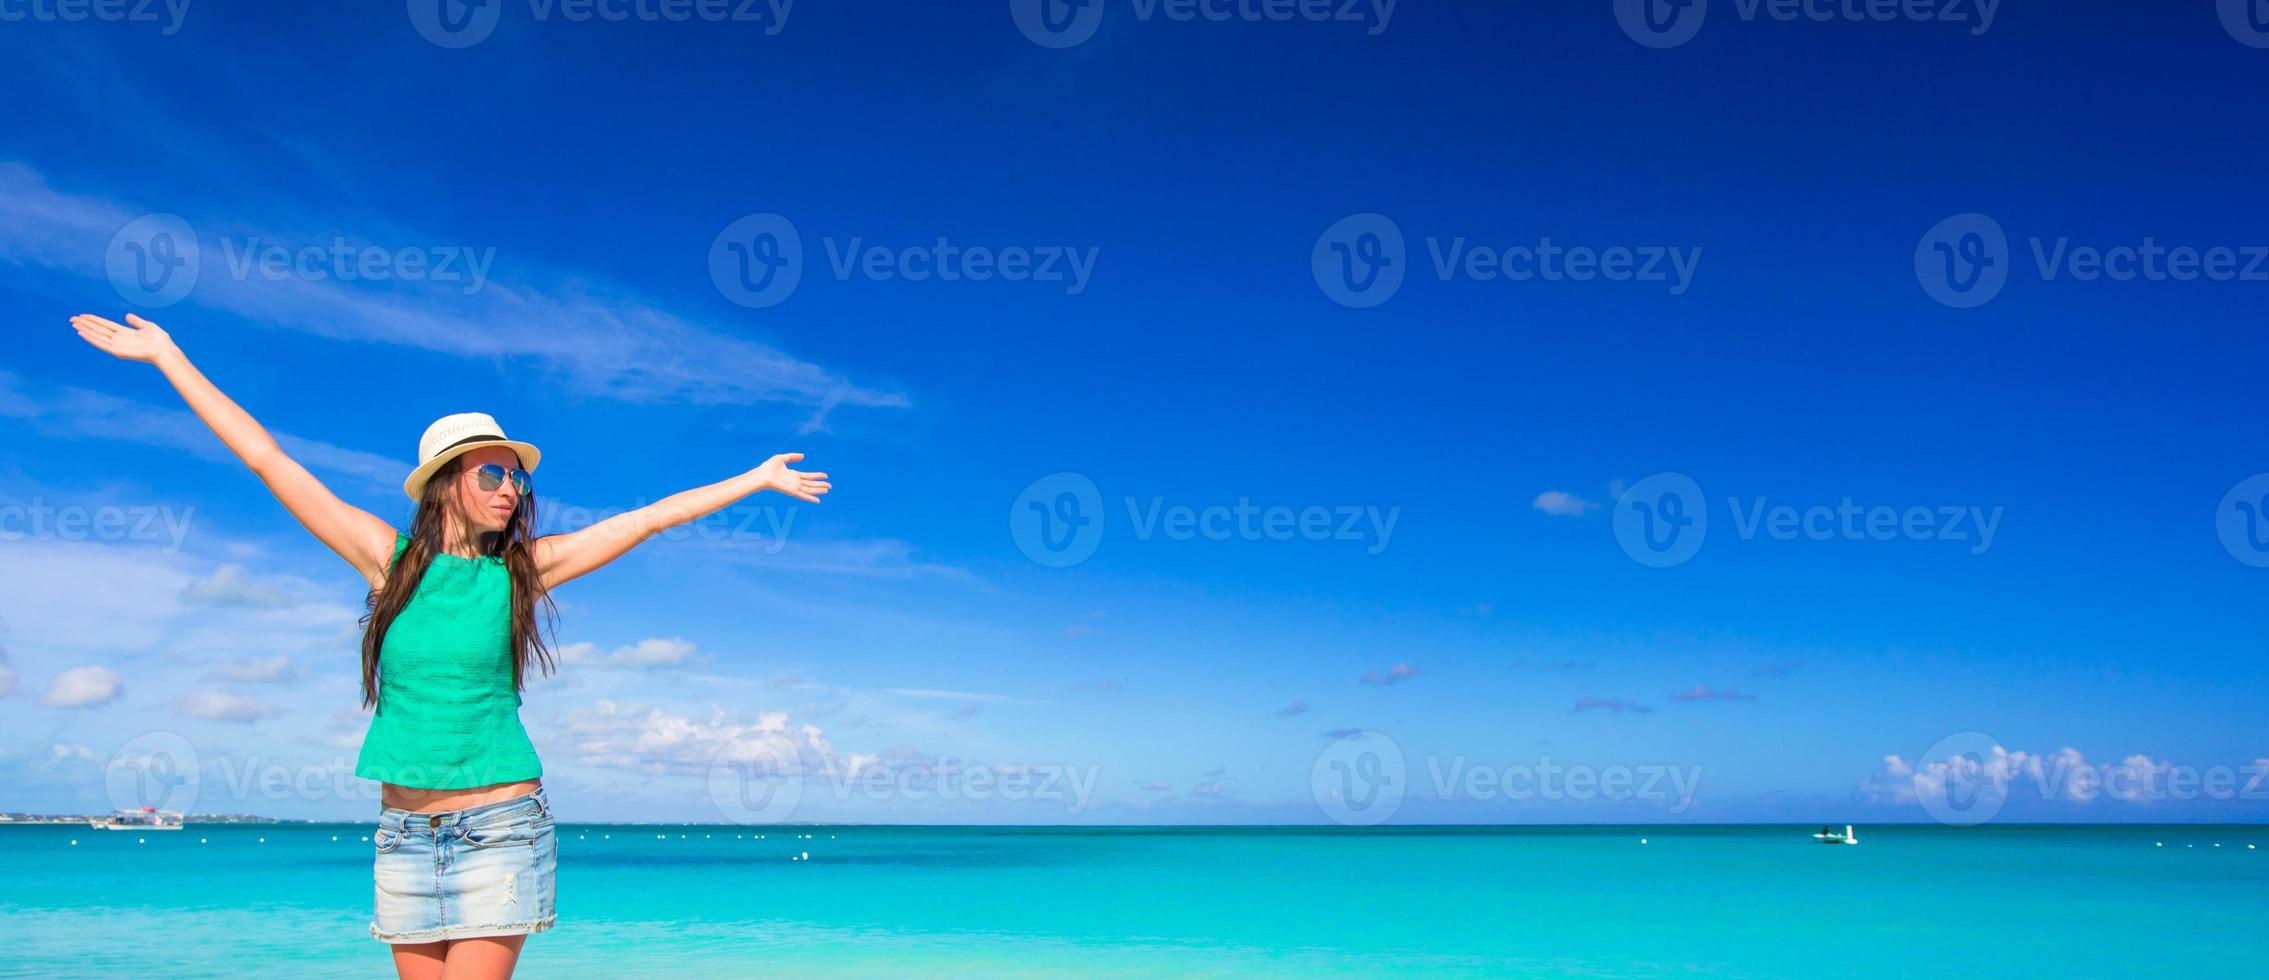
(452, 436)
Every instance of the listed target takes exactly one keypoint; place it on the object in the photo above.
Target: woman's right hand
(358, 536)
(144, 341)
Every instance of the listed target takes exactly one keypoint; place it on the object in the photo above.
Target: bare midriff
(418, 800)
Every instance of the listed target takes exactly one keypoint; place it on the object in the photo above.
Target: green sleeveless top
(448, 717)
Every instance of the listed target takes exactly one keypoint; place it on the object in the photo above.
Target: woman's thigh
(420, 961)
(479, 957)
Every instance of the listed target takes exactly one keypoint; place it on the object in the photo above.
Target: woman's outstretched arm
(560, 557)
(358, 536)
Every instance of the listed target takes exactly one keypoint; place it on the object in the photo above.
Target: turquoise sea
(1908, 901)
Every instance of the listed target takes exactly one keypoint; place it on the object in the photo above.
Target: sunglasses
(490, 476)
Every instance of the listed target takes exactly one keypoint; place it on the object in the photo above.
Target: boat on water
(1828, 835)
(138, 818)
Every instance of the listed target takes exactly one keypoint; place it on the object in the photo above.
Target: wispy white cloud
(1394, 674)
(79, 413)
(224, 706)
(1701, 693)
(1089, 628)
(1899, 781)
(656, 740)
(230, 585)
(61, 753)
(1552, 664)
(625, 736)
(323, 457)
(1614, 705)
(919, 692)
(599, 339)
(139, 621)
(346, 727)
(255, 670)
(85, 687)
(1991, 775)
(887, 558)
(647, 654)
(1561, 503)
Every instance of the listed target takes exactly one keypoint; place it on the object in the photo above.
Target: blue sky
(1179, 186)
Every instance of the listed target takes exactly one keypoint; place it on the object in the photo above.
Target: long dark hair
(434, 503)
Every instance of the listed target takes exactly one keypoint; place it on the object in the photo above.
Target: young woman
(465, 846)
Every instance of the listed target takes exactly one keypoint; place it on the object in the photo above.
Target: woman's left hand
(143, 341)
(775, 475)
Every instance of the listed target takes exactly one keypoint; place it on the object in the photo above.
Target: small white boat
(141, 818)
(1828, 835)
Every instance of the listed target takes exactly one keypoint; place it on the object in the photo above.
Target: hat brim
(415, 484)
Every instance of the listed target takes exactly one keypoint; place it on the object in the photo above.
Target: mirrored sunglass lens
(490, 476)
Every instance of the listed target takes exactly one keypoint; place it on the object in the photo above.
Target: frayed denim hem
(463, 932)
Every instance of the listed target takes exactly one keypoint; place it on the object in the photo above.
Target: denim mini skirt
(487, 870)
